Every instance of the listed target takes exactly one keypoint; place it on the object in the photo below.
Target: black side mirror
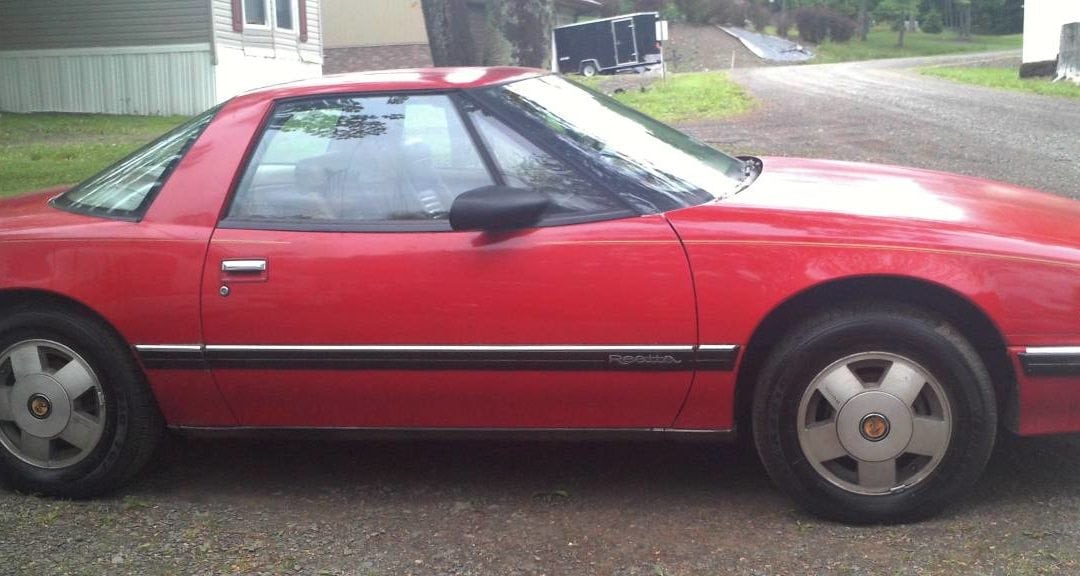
(498, 208)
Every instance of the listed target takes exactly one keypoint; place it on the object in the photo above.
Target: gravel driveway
(884, 111)
(612, 508)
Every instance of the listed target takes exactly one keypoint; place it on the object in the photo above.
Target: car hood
(940, 200)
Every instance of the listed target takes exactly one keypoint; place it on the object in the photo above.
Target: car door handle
(249, 266)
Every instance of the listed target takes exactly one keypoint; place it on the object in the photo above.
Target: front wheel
(874, 414)
(76, 418)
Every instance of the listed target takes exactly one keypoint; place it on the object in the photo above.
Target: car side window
(396, 161)
(524, 165)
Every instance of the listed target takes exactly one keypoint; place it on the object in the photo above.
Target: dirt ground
(608, 508)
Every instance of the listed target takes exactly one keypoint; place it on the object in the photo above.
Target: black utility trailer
(608, 45)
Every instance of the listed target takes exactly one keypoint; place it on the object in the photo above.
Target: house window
(283, 13)
(255, 12)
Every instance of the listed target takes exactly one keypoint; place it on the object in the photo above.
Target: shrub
(783, 27)
(714, 11)
(812, 24)
(818, 23)
(841, 28)
(932, 23)
(759, 16)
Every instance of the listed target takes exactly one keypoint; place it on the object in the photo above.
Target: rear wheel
(589, 70)
(76, 418)
(874, 414)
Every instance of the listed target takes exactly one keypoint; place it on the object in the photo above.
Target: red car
(502, 250)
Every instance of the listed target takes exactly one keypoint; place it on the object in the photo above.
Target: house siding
(256, 56)
(269, 42)
(373, 23)
(1043, 20)
(165, 80)
(59, 24)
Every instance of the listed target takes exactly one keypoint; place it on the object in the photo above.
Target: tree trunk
(783, 28)
(526, 24)
(903, 30)
(965, 21)
(448, 31)
(864, 21)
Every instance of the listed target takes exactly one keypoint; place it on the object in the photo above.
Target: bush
(841, 28)
(783, 27)
(759, 16)
(714, 11)
(932, 23)
(818, 23)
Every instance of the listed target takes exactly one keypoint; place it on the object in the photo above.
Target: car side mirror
(498, 208)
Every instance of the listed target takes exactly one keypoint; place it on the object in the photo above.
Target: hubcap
(874, 423)
(52, 406)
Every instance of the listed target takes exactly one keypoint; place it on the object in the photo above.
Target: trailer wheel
(588, 70)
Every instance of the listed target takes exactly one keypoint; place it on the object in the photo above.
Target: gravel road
(611, 508)
(884, 111)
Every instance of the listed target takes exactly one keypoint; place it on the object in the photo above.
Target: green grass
(696, 96)
(1006, 79)
(42, 150)
(881, 43)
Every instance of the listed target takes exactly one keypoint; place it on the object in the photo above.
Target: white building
(1043, 20)
(150, 56)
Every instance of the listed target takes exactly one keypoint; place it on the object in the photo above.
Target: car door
(335, 293)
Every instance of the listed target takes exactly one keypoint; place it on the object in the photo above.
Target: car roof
(414, 79)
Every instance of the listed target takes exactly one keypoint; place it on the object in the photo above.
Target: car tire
(589, 70)
(77, 419)
(874, 414)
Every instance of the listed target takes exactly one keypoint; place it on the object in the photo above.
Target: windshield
(656, 166)
(125, 189)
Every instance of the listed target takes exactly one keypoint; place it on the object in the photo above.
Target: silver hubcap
(874, 423)
(52, 407)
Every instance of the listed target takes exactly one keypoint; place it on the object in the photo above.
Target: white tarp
(768, 47)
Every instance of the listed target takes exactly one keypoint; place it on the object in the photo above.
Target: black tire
(128, 432)
(811, 354)
(589, 70)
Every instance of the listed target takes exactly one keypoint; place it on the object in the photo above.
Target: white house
(1043, 20)
(150, 56)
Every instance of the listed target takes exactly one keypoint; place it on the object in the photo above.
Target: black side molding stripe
(716, 357)
(173, 357)
(540, 358)
(1051, 361)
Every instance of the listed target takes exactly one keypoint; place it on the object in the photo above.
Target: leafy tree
(899, 11)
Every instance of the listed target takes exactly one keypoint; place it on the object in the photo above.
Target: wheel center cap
(40, 407)
(874, 427)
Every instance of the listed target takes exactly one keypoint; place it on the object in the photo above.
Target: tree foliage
(513, 32)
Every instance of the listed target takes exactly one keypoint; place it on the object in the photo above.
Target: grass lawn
(695, 96)
(42, 150)
(881, 43)
(1004, 78)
